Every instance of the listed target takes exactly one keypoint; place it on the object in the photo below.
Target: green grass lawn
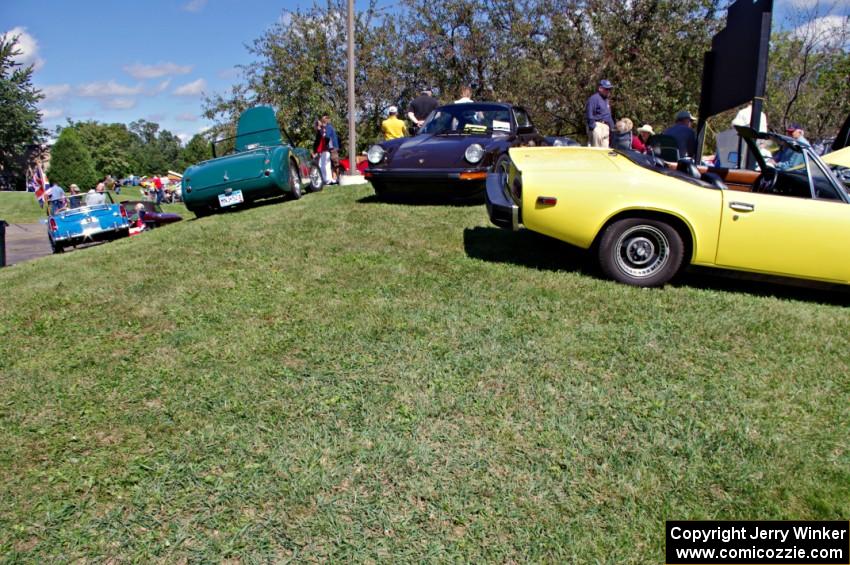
(341, 379)
(22, 207)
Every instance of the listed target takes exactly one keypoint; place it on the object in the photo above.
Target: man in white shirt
(97, 197)
(465, 95)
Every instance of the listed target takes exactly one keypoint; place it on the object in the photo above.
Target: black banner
(756, 542)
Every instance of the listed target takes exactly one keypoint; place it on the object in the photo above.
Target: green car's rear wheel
(294, 182)
(316, 182)
(641, 251)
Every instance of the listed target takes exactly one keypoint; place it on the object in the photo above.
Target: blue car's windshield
(468, 119)
(91, 198)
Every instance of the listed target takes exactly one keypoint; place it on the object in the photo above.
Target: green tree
(300, 71)
(197, 150)
(809, 74)
(111, 147)
(20, 121)
(154, 150)
(71, 162)
(545, 54)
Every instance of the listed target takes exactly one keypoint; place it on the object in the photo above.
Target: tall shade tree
(20, 121)
(300, 71)
(111, 146)
(809, 73)
(547, 55)
(197, 150)
(71, 162)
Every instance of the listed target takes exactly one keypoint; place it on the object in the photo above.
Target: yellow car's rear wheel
(641, 251)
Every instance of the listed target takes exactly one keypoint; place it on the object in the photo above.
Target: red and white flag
(39, 183)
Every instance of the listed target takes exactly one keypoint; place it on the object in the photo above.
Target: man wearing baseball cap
(392, 127)
(684, 134)
(787, 157)
(599, 119)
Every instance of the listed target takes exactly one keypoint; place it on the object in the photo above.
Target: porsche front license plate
(234, 197)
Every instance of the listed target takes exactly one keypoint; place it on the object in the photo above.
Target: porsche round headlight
(558, 142)
(375, 154)
(474, 153)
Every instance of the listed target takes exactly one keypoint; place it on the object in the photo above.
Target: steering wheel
(766, 181)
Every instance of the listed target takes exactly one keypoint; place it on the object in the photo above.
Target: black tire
(201, 211)
(57, 247)
(641, 252)
(316, 182)
(380, 189)
(502, 166)
(500, 163)
(294, 182)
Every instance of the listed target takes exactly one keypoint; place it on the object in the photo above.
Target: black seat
(688, 166)
(714, 180)
(664, 146)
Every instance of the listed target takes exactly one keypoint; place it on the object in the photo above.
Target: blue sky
(121, 61)
(115, 61)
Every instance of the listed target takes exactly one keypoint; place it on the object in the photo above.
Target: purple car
(450, 156)
(145, 214)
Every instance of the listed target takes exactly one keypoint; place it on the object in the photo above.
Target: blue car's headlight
(558, 142)
(375, 154)
(474, 153)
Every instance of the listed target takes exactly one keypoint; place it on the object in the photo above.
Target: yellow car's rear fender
(593, 187)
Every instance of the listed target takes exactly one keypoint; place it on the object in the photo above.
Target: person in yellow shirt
(392, 127)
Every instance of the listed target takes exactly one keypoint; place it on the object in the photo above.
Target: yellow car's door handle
(742, 206)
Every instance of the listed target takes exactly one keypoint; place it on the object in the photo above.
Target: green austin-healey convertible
(261, 165)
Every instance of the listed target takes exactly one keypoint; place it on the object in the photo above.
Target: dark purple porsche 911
(451, 154)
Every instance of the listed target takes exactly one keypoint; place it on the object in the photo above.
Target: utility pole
(351, 176)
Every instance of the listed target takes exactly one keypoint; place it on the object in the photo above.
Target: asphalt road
(25, 242)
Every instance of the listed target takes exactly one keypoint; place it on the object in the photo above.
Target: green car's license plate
(234, 197)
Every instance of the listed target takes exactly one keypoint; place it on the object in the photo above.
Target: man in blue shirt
(56, 196)
(684, 134)
(788, 158)
(332, 145)
(599, 119)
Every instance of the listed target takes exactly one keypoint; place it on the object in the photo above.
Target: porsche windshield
(468, 119)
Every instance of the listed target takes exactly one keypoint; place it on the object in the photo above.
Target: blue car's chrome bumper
(93, 234)
(502, 210)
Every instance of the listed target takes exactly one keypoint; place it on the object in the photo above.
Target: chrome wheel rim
(642, 251)
(315, 177)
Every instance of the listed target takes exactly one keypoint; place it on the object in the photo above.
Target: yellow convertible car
(646, 218)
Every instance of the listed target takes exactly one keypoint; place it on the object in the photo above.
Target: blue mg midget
(86, 218)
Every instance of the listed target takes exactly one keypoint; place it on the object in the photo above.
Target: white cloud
(194, 5)
(193, 88)
(204, 129)
(187, 117)
(109, 88)
(28, 46)
(119, 103)
(54, 92)
(184, 137)
(161, 87)
(141, 72)
(802, 4)
(826, 31)
(228, 74)
(51, 113)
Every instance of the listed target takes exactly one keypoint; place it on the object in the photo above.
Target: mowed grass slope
(336, 378)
